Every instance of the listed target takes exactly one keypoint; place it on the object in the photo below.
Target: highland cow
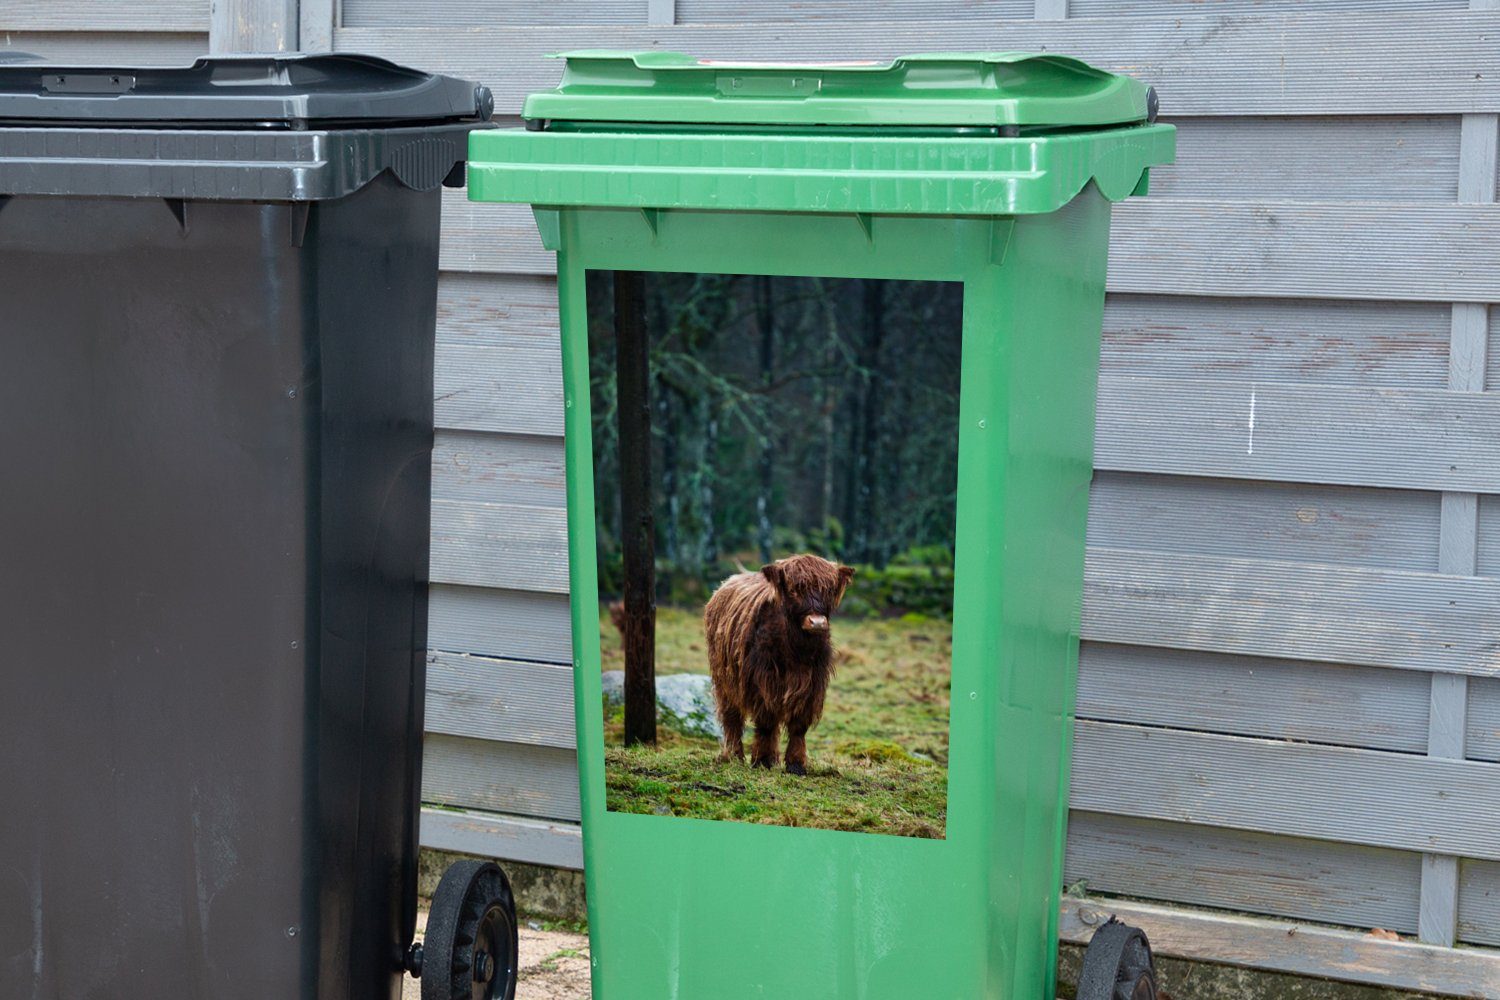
(770, 654)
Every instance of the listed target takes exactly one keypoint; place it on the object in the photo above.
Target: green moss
(877, 761)
(837, 793)
(873, 750)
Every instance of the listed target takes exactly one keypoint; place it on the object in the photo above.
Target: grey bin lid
(254, 128)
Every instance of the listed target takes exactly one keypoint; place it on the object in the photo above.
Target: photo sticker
(775, 473)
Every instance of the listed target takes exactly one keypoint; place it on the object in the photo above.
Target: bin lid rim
(664, 59)
(237, 91)
(935, 88)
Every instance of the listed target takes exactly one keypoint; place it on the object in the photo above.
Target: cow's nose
(815, 623)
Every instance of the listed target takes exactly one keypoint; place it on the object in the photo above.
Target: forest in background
(790, 415)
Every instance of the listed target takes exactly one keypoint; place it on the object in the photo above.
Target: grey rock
(613, 683)
(684, 702)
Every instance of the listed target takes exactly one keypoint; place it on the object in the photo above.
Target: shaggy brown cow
(770, 654)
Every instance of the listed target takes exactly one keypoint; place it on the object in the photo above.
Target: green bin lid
(943, 89)
(1000, 134)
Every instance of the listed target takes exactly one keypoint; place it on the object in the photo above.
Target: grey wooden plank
(1477, 173)
(1395, 529)
(1458, 536)
(316, 23)
(536, 781)
(498, 468)
(1482, 732)
(1157, 8)
(511, 838)
(1487, 540)
(661, 12)
(117, 15)
(1368, 707)
(1401, 158)
(515, 389)
(508, 701)
(1387, 344)
(1447, 716)
(1369, 797)
(1179, 246)
(1250, 872)
(1468, 359)
(1296, 341)
(1384, 63)
(1351, 435)
(1492, 352)
(1050, 10)
(1479, 903)
(515, 624)
(495, 545)
(1477, 180)
(1256, 607)
(1344, 525)
(499, 363)
(1437, 918)
(404, 13)
(1297, 948)
(115, 48)
(1357, 250)
(483, 236)
(1458, 544)
(1417, 438)
(726, 12)
(253, 26)
(496, 310)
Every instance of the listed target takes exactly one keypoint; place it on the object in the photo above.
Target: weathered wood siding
(1290, 681)
(140, 32)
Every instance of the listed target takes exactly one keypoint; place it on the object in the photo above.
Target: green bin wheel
(470, 951)
(1117, 965)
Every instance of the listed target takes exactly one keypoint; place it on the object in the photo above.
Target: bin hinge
(178, 208)
(301, 214)
(548, 226)
(1000, 233)
(867, 223)
(653, 221)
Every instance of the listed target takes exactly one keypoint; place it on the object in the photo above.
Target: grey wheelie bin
(217, 307)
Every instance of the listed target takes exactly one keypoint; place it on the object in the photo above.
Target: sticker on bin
(799, 622)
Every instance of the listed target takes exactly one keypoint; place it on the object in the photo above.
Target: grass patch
(877, 761)
(680, 645)
(567, 926)
(837, 793)
(549, 964)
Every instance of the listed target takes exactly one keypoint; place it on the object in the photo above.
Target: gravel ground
(554, 965)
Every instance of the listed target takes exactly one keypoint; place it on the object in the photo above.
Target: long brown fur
(766, 664)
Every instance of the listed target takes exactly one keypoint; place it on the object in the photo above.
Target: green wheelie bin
(984, 182)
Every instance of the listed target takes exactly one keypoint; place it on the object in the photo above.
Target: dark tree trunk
(708, 539)
(637, 527)
(856, 385)
(767, 326)
(668, 409)
(829, 401)
(671, 531)
(867, 462)
(894, 531)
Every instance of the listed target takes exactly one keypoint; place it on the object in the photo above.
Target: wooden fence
(1290, 690)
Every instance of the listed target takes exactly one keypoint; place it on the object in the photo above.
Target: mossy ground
(877, 761)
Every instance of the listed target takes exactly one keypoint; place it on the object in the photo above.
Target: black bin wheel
(1117, 965)
(470, 951)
